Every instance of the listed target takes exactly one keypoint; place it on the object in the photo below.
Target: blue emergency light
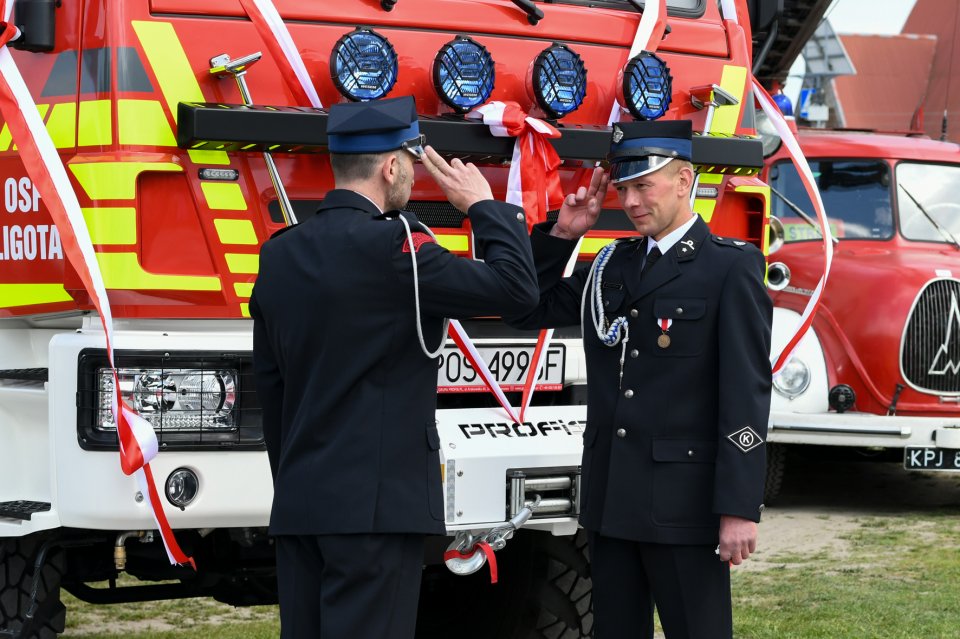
(558, 80)
(363, 65)
(647, 86)
(463, 74)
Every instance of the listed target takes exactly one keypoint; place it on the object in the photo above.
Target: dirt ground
(824, 497)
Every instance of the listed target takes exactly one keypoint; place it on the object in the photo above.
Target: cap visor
(634, 168)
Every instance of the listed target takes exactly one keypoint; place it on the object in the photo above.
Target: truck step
(22, 509)
(25, 374)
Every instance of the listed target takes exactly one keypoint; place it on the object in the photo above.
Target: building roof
(940, 18)
(890, 84)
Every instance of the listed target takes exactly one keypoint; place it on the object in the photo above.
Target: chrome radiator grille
(930, 351)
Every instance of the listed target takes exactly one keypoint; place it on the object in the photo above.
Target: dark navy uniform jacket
(665, 450)
(348, 396)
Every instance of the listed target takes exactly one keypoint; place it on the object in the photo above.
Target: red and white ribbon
(480, 546)
(810, 184)
(730, 10)
(275, 35)
(533, 182)
(463, 342)
(664, 324)
(650, 32)
(137, 439)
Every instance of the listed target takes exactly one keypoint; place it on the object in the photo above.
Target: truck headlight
(794, 380)
(190, 399)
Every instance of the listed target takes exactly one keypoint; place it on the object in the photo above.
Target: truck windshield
(936, 188)
(856, 195)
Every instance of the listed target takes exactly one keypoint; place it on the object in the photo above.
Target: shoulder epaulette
(732, 242)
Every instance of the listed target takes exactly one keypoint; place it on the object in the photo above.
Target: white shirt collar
(369, 200)
(667, 241)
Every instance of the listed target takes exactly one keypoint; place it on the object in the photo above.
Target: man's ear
(390, 168)
(685, 180)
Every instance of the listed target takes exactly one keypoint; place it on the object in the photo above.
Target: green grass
(896, 578)
(898, 581)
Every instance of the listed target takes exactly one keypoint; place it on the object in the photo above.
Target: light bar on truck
(463, 74)
(363, 65)
(558, 80)
(285, 129)
(646, 89)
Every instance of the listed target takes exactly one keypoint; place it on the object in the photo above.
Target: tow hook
(468, 552)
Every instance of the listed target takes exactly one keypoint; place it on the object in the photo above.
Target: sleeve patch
(419, 239)
(746, 439)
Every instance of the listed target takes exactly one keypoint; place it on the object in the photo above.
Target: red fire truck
(139, 98)
(880, 372)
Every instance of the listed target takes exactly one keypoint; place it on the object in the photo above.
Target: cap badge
(617, 134)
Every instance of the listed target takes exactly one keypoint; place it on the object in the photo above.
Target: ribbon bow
(533, 182)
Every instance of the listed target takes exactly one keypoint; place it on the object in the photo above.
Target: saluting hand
(580, 210)
(462, 184)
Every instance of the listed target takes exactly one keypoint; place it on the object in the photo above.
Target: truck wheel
(543, 592)
(17, 563)
(776, 465)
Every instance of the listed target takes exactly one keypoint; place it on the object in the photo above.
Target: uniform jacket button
(690, 453)
(621, 432)
(679, 310)
(634, 312)
(520, 216)
(628, 393)
(634, 353)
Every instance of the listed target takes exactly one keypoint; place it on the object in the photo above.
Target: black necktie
(652, 258)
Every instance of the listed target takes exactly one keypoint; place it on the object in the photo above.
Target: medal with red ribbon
(663, 340)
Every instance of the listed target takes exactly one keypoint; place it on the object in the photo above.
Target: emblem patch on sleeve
(746, 439)
(419, 239)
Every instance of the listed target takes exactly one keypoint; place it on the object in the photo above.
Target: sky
(856, 16)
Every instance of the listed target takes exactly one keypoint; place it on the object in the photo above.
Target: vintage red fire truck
(880, 371)
(140, 99)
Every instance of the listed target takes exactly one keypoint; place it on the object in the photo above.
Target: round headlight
(182, 487)
(207, 392)
(646, 87)
(558, 80)
(363, 65)
(463, 74)
(793, 380)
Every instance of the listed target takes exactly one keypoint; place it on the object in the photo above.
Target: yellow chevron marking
(243, 262)
(143, 122)
(456, 243)
(705, 207)
(726, 118)
(94, 127)
(592, 245)
(115, 180)
(6, 137)
(123, 271)
(243, 289)
(235, 231)
(224, 196)
(29, 294)
(245, 309)
(108, 225)
(62, 125)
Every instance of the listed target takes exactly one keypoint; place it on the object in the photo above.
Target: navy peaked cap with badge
(372, 127)
(640, 148)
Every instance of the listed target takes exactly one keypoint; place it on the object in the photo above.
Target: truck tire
(543, 592)
(776, 466)
(17, 563)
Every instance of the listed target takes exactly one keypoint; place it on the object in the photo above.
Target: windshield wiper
(534, 15)
(800, 212)
(947, 235)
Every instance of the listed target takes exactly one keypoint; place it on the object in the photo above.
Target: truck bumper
(861, 429)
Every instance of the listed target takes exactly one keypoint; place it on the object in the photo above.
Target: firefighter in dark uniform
(344, 329)
(676, 329)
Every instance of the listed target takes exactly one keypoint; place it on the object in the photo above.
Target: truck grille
(930, 351)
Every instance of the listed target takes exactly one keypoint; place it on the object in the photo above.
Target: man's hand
(580, 210)
(462, 184)
(738, 539)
